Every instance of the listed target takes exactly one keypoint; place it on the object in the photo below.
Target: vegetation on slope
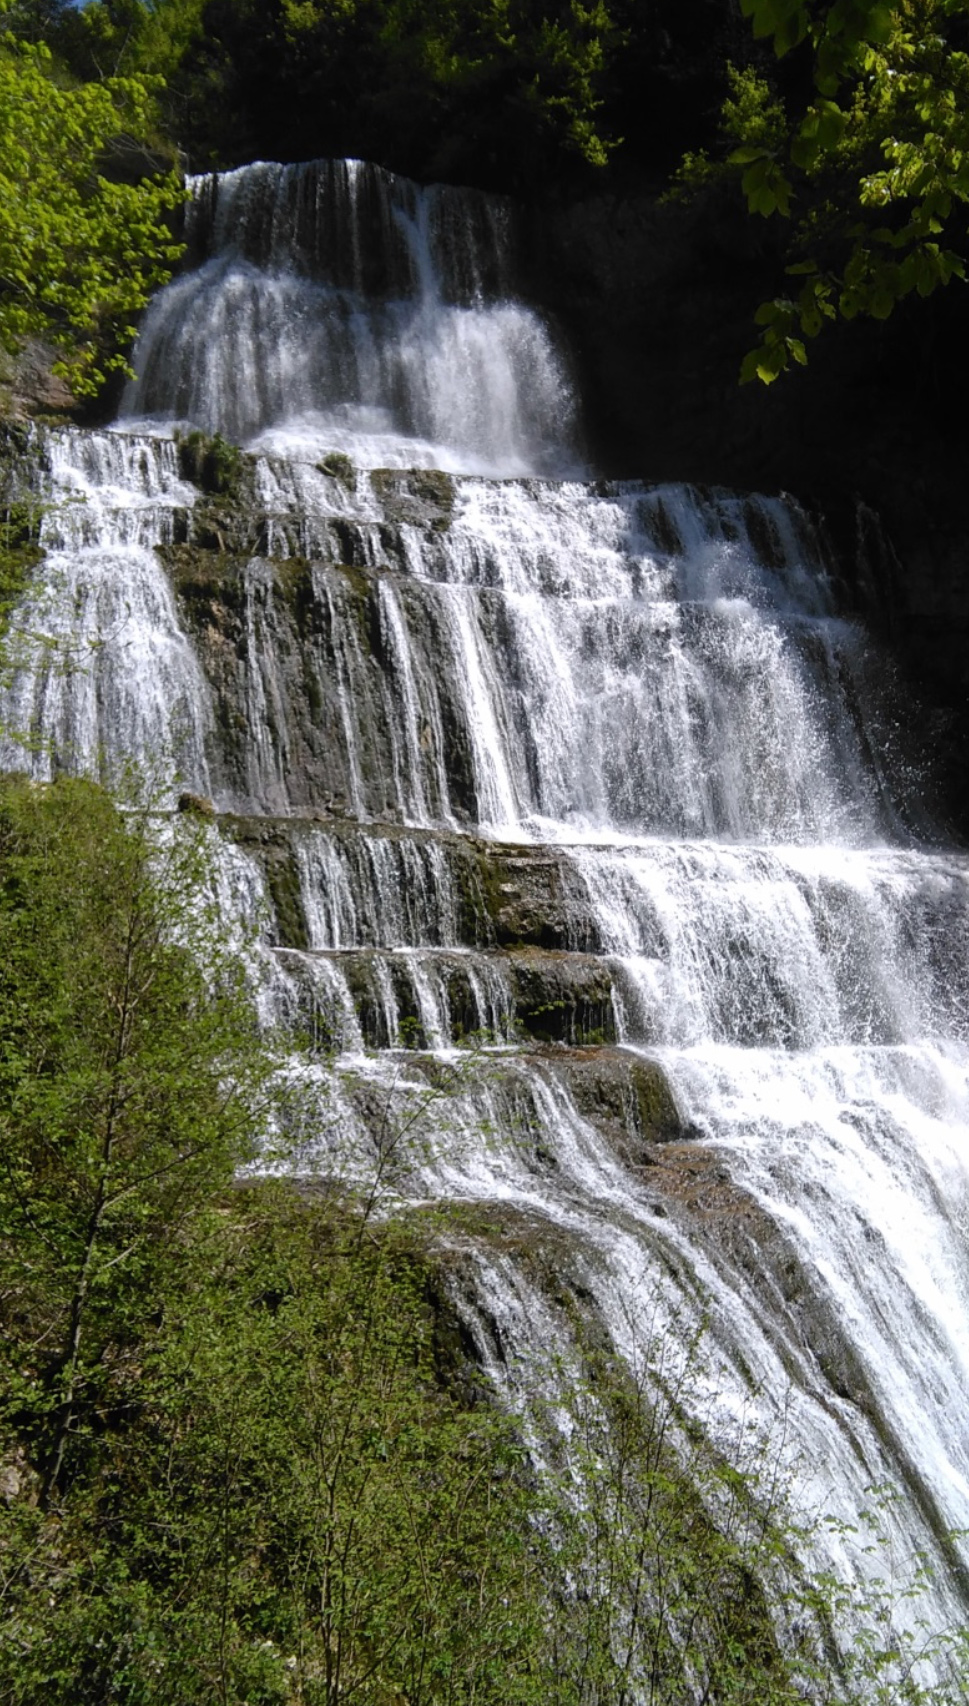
(244, 1457)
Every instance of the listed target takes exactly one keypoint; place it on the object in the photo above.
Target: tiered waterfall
(589, 786)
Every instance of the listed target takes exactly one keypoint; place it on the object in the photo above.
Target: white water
(655, 684)
(343, 308)
(98, 669)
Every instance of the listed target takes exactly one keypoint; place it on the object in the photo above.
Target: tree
(80, 254)
(353, 1518)
(132, 1084)
(460, 89)
(866, 157)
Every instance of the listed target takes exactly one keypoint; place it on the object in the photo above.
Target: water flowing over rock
(588, 785)
(341, 307)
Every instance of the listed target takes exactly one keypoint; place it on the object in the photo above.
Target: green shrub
(211, 463)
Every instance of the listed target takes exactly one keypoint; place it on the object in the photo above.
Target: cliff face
(571, 826)
(658, 300)
(29, 387)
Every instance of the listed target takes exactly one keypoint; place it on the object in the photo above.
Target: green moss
(293, 582)
(434, 486)
(358, 971)
(563, 998)
(313, 691)
(19, 552)
(226, 516)
(200, 577)
(282, 881)
(15, 440)
(339, 467)
(360, 603)
(413, 495)
(359, 581)
(471, 875)
(270, 842)
(212, 464)
(659, 1118)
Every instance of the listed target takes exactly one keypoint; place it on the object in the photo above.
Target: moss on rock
(211, 463)
(415, 497)
(562, 997)
(627, 1097)
(338, 466)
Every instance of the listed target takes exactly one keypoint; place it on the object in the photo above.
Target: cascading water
(592, 765)
(339, 307)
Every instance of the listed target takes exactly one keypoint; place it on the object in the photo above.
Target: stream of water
(647, 696)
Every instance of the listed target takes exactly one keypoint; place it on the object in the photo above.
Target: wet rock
(197, 804)
(418, 497)
(627, 1096)
(561, 997)
(517, 899)
(534, 899)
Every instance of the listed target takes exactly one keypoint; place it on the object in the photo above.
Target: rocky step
(310, 669)
(360, 683)
(328, 512)
(677, 1175)
(436, 998)
(334, 883)
(625, 1093)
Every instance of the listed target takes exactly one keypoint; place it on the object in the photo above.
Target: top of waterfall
(355, 226)
(336, 306)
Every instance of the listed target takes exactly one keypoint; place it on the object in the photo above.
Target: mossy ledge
(507, 896)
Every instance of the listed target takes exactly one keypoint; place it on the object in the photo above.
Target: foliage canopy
(436, 88)
(870, 167)
(80, 253)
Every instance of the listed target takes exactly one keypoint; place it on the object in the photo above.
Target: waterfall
(598, 776)
(341, 307)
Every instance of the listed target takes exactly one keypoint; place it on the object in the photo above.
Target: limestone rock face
(29, 387)
(575, 832)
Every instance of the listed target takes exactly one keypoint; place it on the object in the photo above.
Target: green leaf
(748, 367)
(767, 313)
(80, 255)
(831, 124)
(879, 23)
